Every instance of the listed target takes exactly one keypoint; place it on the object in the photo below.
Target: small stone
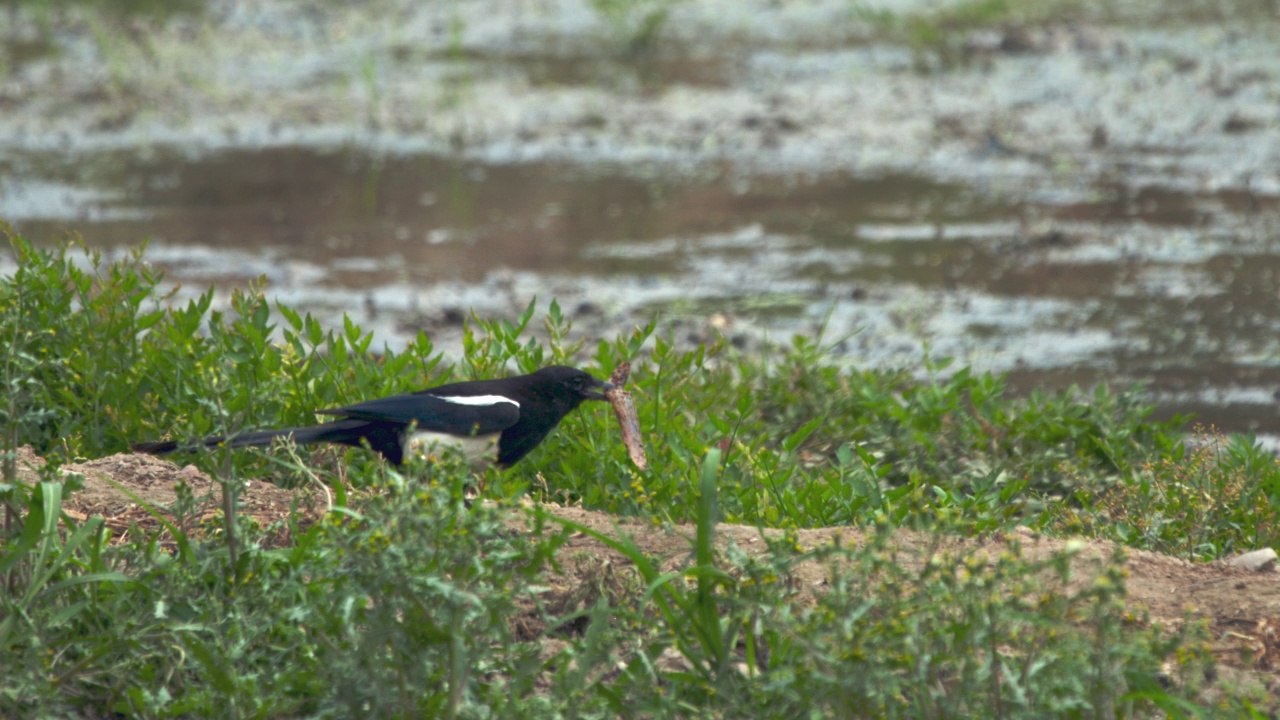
(672, 660)
(1257, 561)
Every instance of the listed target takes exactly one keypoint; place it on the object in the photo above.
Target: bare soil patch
(113, 486)
(1240, 607)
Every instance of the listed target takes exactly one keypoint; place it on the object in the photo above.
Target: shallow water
(1160, 286)
(1097, 204)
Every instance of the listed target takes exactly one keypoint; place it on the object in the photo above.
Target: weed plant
(402, 603)
(636, 24)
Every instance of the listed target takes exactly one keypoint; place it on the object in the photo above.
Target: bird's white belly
(475, 449)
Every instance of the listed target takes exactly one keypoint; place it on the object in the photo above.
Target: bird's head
(573, 383)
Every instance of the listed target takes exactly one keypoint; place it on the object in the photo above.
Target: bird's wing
(484, 415)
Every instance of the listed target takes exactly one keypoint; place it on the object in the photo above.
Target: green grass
(407, 605)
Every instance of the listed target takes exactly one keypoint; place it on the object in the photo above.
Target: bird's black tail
(259, 438)
(382, 437)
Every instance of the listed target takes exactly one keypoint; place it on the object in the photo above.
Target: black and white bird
(500, 420)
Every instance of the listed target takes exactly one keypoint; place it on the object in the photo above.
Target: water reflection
(1165, 286)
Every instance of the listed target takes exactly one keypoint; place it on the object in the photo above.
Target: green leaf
(799, 436)
(148, 320)
(291, 316)
(523, 321)
(90, 578)
(222, 680)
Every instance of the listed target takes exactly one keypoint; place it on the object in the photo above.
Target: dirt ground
(1241, 607)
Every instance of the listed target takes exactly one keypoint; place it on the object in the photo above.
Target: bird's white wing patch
(474, 449)
(477, 399)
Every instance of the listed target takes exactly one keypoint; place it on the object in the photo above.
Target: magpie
(499, 419)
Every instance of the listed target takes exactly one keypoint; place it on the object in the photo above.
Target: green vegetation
(118, 8)
(402, 603)
(941, 35)
(636, 23)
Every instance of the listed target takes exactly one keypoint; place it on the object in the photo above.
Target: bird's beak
(598, 390)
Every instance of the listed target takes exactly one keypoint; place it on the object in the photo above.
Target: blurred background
(1071, 191)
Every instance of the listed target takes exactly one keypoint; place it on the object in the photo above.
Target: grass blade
(222, 680)
(708, 625)
(179, 537)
